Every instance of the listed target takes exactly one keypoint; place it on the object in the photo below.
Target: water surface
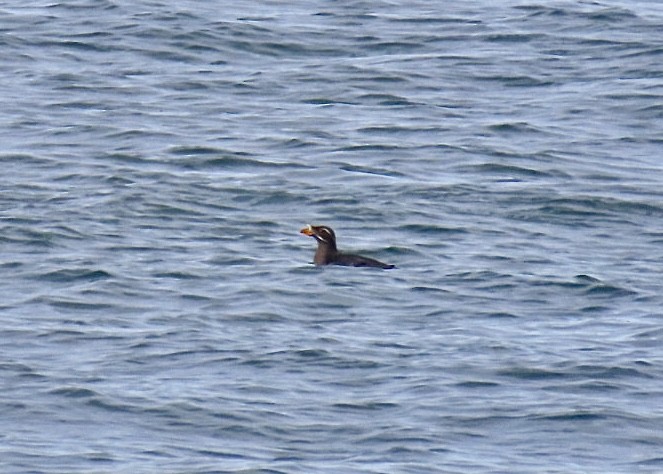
(159, 310)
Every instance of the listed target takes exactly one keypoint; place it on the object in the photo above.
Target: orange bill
(308, 230)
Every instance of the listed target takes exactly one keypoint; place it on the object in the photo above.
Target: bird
(328, 254)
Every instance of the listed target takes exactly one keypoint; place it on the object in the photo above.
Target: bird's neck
(325, 253)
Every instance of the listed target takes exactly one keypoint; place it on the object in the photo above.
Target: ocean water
(158, 308)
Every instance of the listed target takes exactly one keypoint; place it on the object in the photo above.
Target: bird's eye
(325, 234)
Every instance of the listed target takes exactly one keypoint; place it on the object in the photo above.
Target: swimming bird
(328, 254)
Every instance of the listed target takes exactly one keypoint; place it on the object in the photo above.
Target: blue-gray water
(158, 309)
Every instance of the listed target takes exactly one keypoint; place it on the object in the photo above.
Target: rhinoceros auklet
(327, 254)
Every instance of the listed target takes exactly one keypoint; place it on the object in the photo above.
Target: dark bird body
(328, 254)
